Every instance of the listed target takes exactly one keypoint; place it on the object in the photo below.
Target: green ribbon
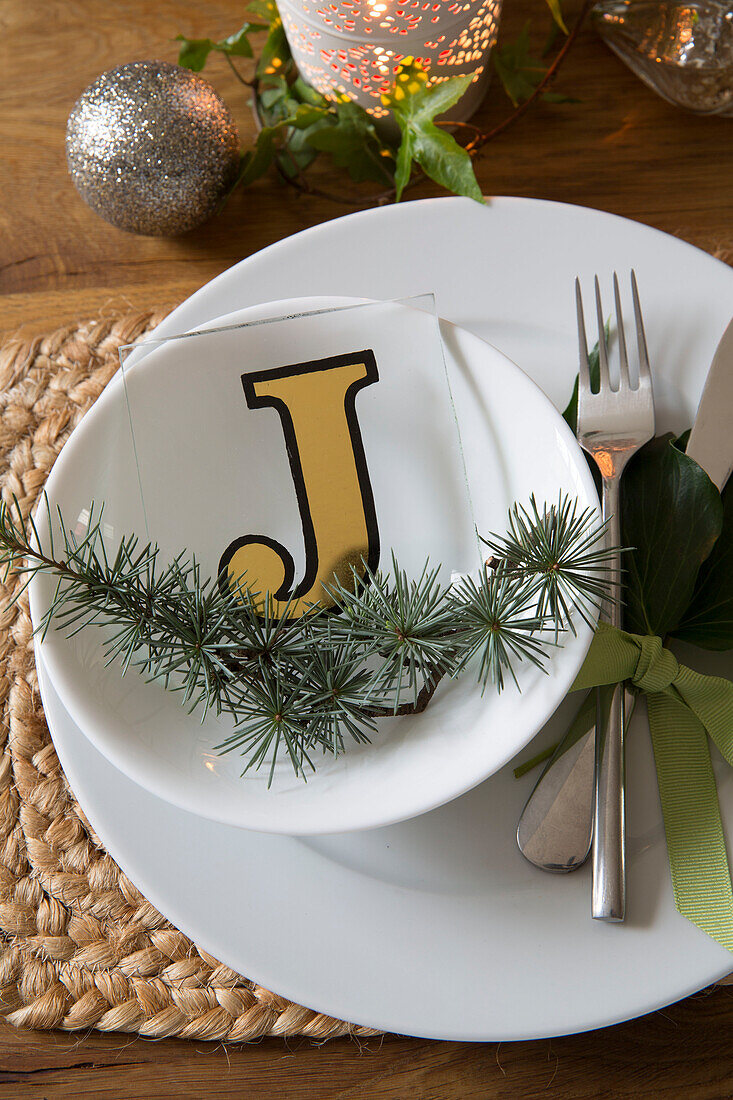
(685, 708)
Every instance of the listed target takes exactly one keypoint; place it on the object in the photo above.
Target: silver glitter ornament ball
(152, 148)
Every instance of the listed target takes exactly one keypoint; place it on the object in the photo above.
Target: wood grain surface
(683, 1052)
(620, 149)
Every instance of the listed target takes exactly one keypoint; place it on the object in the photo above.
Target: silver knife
(555, 829)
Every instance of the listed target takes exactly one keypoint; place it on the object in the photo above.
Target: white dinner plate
(437, 926)
(514, 443)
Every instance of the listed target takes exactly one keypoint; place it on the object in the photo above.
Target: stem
(60, 568)
(235, 70)
(300, 184)
(549, 76)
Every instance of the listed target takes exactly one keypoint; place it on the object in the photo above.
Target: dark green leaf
(520, 73)
(552, 38)
(263, 9)
(442, 158)
(403, 168)
(305, 116)
(275, 57)
(352, 141)
(269, 140)
(414, 100)
(275, 102)
(256, 161)
(554, 6)
(296, 154)
(517, 70)
(306, 94)
(708, 621)
(274, 93)
(238, 44)
(558, 97)
(194, 52)
(415, 104)
(671, 516)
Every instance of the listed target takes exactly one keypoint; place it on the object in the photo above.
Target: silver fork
(612, 426)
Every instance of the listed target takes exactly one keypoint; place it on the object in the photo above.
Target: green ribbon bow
(685, 708)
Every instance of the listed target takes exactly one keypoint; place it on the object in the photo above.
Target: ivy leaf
(263, 9)
(708, 621)
(554, 6)
(289, 112)
(275, 56)
(442, 158)
(256, 161)
(414, 105)
(671, 516)
(304, 93)
(403, 169)
(559, 97)
(305, 116)
(238, 44)
(275, 92)
(552, 38)
(352, 141)
(295, 152)
(194, 52)
(520, 73)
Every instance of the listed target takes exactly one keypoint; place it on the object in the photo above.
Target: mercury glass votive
(355, 47)
(684, 51)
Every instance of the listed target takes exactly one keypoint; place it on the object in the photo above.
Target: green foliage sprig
(677, 580)
(194, 52)
(306, 685)
(298, 124)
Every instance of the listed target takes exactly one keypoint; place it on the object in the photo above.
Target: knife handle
(609, 847)
(609, 818)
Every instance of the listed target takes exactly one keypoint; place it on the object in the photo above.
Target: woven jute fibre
(81, 947)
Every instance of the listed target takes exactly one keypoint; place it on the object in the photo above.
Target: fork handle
(609, 817)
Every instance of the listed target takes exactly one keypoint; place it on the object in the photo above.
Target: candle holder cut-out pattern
(355, 47)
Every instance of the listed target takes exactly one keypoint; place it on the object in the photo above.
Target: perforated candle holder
(355, 47)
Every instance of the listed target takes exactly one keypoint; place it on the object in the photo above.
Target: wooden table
(620, 149)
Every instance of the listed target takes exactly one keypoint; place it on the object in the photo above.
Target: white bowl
(514, 442)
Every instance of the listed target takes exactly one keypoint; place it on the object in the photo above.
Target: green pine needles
(303, 687)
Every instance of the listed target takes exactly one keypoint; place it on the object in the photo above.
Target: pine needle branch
(295, 688)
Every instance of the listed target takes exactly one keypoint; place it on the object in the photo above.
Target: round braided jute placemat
(80, 946)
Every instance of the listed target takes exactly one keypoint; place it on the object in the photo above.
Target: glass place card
(288, 451)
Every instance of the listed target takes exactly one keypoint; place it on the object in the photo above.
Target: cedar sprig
(299, 688)
(564, 551)
(270, 719)
(499, 619)
(405, 625)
